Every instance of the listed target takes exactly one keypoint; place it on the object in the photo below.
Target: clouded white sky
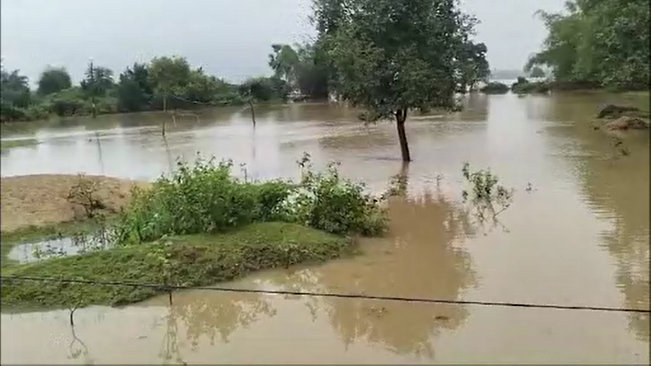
(229, 38)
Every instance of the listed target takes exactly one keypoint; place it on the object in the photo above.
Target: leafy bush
(495, 88)
(523, 86)
(67, 102)
(328, 202)
(206, 198)
(487, 195)
(203, 198)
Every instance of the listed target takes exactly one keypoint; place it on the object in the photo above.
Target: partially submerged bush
(206, 198)
(495, 88)
(487, 195)
(523, 86)
(328, 202)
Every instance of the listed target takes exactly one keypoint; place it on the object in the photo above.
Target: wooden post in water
(252, 112)
(99, 149)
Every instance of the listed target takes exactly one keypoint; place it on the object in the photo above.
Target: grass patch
(41, 233)
(10, 144)
(195, 260)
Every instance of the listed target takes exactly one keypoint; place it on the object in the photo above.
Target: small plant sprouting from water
(619, 147)
(397, 185)
(486, 195)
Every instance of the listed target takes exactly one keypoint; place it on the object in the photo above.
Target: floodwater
(55, 248)
(577, 233)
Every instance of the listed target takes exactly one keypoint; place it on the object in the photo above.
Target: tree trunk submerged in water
(401, 117)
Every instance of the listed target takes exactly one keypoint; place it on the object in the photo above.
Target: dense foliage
(163, 83)
(392, 56)
(53, 80)
(206, 198)
(598, 42)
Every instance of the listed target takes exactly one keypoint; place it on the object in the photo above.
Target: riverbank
(197, 227)
(37, 207)
(40, 201)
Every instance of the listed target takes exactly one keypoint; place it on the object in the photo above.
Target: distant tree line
(598, 43)
(161, 84)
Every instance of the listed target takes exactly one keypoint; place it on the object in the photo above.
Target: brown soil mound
(40, 200)
(626, 123)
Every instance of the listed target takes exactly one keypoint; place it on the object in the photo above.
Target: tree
(169, 76)
(262, 89)
(472, 65)
(392, 56)
(134, 91)
(15, 95)
(52, 80)
(284, 61)
(15, 90)
(201, 88)
(312, 71)
(600, 41)
(537, 72)
(98, 80)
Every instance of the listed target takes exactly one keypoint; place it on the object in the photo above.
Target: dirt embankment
(622, 118)
(40, 200)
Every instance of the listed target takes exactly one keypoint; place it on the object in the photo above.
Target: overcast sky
(229, 38)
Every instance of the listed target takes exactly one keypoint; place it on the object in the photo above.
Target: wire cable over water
(334, 295)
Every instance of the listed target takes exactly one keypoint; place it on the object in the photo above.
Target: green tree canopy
(14, 95)
(169, 76)
(393, 55)
(601, 41)
(14, 89)
(284, 61)
(537, 72)
(52, 80)
(472, 65)
(98, 80)
(134, 91)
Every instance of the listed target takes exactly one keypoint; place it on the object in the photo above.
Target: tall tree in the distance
(169, 76)
(134, 89)
(52, 80)
(392, 56)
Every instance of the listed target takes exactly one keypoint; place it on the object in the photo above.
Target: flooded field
(577, 233)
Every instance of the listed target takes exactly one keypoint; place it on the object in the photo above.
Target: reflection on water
(580, 236)
(421, 257)
(617, 190)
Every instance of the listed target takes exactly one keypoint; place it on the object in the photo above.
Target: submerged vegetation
(198, 226)
(486, 195)
(494, 88)
(177, 261)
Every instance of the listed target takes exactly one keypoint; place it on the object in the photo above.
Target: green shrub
(523, 86)
(67, 102)
(495, 88)
(328, 202)
(206, 198)
(203, 198)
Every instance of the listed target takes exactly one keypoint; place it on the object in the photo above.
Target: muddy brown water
(579, 236)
